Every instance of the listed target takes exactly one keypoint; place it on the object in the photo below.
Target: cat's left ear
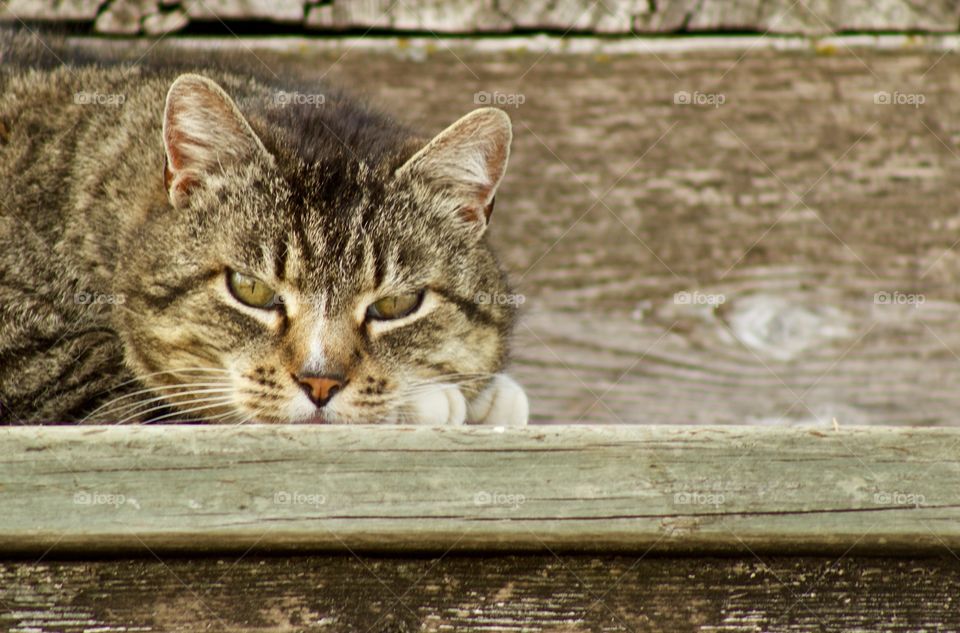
(203, 134)
(466, 163)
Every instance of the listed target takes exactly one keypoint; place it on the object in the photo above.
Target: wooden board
(532, 594)
(86, 490)
(486, 16)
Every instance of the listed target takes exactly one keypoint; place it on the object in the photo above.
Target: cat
(203, 246)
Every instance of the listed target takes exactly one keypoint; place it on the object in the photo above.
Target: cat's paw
(502, 403)
(442, 405)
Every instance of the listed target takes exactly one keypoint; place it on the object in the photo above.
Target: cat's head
(274, 289)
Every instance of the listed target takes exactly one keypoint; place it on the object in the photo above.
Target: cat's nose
(320, 389)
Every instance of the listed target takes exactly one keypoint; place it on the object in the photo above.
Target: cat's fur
(120, 221)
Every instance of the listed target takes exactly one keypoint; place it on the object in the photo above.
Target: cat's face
(278, 291)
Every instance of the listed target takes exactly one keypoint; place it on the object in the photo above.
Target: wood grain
(487, 16)
(413, 489)
(534, 594)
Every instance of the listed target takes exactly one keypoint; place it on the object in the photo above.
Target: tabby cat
(199, 246)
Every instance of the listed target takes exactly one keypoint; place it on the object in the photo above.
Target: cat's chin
(315, 418)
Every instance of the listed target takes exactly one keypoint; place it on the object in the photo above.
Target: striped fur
(113, 300)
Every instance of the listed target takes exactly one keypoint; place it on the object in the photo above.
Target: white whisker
(163, 407)
(169, 397)
(178, 413)
(171, 371)
(106, 407)
(114, 388)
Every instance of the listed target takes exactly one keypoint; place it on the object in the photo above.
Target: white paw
(502, 403)
(439, 406)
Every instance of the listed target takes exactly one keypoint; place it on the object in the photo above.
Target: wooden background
(813, 227)
(513, 594)
(608, 17)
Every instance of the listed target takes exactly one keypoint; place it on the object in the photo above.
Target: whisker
(224, 418)
(171, 371)
(168, 397)
(248, 418)
(150, 390)
(163, 407)
(178, 413)
(160, 373)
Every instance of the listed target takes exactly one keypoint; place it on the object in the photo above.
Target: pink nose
(320, 388)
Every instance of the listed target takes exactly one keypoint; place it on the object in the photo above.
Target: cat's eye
(395, 307)
(250, 291)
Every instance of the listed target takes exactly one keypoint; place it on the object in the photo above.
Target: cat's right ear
(466, 162)
(203, 133)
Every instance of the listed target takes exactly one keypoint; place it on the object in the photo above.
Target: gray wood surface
(87, 490)
(490, 16)
(532, 594)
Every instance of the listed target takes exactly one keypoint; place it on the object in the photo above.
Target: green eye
(395, 307)
(250, 290)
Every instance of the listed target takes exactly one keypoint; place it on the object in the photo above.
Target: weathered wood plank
(489, 16)
(402, 489)
(533, 594)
